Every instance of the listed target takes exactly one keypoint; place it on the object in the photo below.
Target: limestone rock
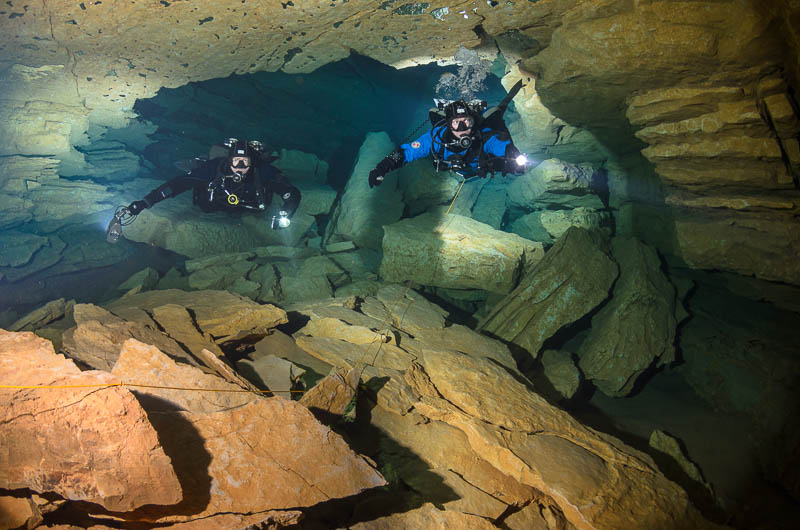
(530, 227)
(178, 226)
(661, 441)
(572, 279)
(284, 252)
(177, 322)
(556, 222)
(709, 240)
(47, 256)
(490, 206)
(449, 252)
(441, 464)
(540, 446)
(342, 246)
(316, 200)
(19, 248)
(272, 373)
(424, 188)
(19, 512)
(226, 457)
(358, 288)
(99, 334)
(333, 396)
(142, 364)
(49, 312)
(296, 289)
(220, 277)
(300, 167)
(362, 212)
(636, 328)
(217, 260)
(428, 517)
(335, 328)
(283, 346)
(144, 280)
(512, 442)
(548, 225)
(561, 372)
(405, 309)
(220, 314)
(115, 457)
(359, 264)
(556, 184)
(533, 517)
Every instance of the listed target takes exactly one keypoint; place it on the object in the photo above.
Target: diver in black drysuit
(243, 180)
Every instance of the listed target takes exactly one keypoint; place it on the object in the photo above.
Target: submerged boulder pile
(442, 412)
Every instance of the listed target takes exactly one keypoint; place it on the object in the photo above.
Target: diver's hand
(280, 220)
(136, 207)
(375, 177)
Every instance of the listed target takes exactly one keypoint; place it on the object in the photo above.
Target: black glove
(280, 220)
(136, 207)
(375, 177)
(395, 160)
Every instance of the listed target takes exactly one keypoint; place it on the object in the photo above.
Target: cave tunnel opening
(327, 112)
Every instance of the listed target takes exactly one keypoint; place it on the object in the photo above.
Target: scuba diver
(464, 139)
(241, 179)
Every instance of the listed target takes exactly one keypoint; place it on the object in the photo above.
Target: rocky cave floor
(722, 444)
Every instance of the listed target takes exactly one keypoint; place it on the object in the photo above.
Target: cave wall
(703, 90)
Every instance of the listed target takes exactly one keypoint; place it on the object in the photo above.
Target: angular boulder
(456, 252)
(637, 327)
(573, 278)
(84, 437)
(362, 212)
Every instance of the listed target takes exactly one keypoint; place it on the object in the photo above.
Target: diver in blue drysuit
(464, 141)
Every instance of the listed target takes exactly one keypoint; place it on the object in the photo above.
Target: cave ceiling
(704, 89)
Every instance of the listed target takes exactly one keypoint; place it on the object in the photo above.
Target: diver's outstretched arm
(395, 160)
(167, 190)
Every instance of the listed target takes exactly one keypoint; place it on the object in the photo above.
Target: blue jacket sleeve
(419, 148)
(495, 146)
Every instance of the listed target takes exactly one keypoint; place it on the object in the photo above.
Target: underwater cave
(585, 315)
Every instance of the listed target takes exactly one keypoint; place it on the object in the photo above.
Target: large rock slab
(220, 314)
(19, 247)
(451, 252)
(636, 328)
(362, 211)
(573, 278)
(763, 244)
(87, 439)
(511, 441)
(555, 184)
(98, 336)
(226, 457)
(165, 380)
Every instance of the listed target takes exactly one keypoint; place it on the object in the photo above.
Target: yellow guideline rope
(456, 197)
(107, 385)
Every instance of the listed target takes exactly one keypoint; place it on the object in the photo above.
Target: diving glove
(136, 207)
(375, 177)
(280, 220)
(395, 160)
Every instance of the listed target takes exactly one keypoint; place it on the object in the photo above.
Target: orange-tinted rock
(90, 443)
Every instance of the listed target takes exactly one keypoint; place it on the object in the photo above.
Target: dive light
(281, 220)
(114, 230)
(122, 217)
